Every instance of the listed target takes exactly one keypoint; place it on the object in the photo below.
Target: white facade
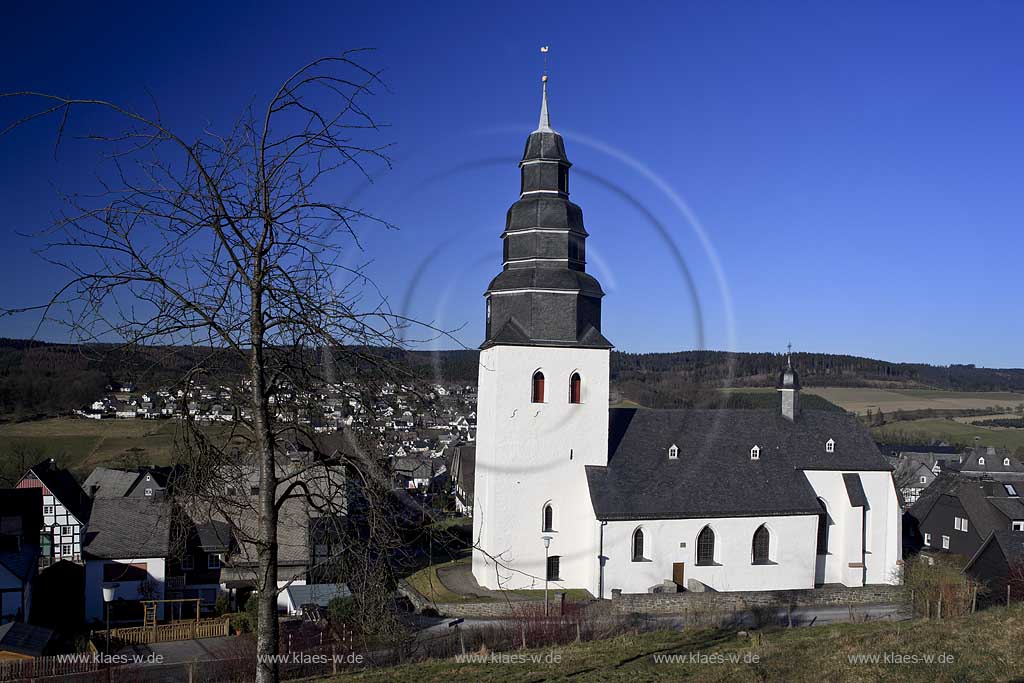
(153, 587)
(532, 454)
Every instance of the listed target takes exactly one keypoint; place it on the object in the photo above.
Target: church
(573, 494)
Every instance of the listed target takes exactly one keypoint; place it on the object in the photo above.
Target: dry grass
(860, 399)
(983, 647)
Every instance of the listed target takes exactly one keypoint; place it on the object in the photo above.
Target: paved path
(458, 578)
(182, 651)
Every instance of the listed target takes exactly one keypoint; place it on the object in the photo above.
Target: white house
(568, 491)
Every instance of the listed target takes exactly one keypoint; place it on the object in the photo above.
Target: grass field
(952, 431)
(982, 647)
(80, 445)
(860, 399)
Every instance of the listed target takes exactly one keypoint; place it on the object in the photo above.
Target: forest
(38, 378)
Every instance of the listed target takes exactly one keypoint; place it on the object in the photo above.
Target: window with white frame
(213, 561)
(66, 531)
(924, 479)
(755, 453)
(927, 539)
(945, 542)
(981, 462)
(1006, 462)
(673, 452)
(1018, 525)
(960, 523)
(65, 550)
(1010, 491)
(149, 492)
(830, 446)
(47, 509)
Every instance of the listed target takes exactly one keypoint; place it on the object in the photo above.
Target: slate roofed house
(999, 562)
(65, 510)
(144, 482)
(127, 542)
(462, 468)
(957, 512)
(21, 522)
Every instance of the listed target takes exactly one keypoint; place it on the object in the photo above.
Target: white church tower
(542, 412)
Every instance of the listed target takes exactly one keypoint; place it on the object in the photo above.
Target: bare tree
(232, 242)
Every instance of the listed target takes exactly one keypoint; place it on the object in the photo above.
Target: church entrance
(678, 575)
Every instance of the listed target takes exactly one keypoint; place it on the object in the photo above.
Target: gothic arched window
(638, 545)
(575, 388)
(822, 529)
(538, 387)
(549, 518)
(706, 546)
(762, 541)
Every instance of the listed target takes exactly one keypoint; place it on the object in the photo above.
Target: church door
(678, 574)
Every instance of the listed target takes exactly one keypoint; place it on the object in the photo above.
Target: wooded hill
(42, 378)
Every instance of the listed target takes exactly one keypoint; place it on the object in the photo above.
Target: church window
(638, 545)
(549, 518)
(981, 462)
(552, 569)
(762, 540)
(538, 387)
(575, 388)
(755, 453)
(706, 546)
(1006, 462)
(830, 446)
(822, 529)
(673, 452)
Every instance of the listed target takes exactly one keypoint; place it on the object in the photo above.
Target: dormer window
(1006, 462)
(1010, 491)
(755, 453)
(830, 446)
(981, 462)
(673, 452)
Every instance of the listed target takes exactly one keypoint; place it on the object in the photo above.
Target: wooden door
(678, 574)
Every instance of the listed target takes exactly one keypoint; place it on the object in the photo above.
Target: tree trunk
(263, 443)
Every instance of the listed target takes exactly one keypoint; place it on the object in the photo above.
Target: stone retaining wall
(669, 603)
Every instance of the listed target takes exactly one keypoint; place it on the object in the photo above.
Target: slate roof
(982, 500)
(855, 490)
(714, 474)
(22, 561)
(104, 482)
(25, 639)
(123, 528)
(64, 487)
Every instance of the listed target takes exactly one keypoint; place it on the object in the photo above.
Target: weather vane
(544, 50)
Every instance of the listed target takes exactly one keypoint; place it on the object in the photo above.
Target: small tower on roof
(789, 388)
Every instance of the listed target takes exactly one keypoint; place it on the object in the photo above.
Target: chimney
(789, 391)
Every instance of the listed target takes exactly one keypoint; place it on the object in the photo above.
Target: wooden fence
(163, 633)
(42, 667)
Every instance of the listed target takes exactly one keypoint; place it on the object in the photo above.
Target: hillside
(980, 647)
(42, 378)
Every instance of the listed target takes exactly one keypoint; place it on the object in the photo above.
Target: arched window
(1006, 462)
(575, 388)
(822, 529)
(538, 387)
(762, 540)
(706, 546)
(981, 462)
(638, 545)
(830, 446)
(755, 453)
(549, 518)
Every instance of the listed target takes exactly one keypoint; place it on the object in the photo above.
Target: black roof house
(63, 486)
(544, 296)
(714, 474)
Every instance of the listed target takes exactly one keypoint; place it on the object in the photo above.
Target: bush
(342, 610)
(245, 622)
(936, 579)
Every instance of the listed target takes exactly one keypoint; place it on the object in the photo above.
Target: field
(80, 445)
(980, 647)
(860, 399)
(951, 431)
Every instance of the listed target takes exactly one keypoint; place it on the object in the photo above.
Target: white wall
(791, 549)
(847, 539)
(127, 590)
(523, 461)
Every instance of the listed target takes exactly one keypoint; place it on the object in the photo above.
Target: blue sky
(845, 176)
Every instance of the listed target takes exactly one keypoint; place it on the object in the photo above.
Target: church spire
(544, 126)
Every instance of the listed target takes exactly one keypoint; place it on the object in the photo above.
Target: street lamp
(547, 544)
(109, 590)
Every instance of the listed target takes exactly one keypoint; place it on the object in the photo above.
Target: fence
(163, 633)
(43, 667)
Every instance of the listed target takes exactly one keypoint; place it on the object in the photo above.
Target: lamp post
(547, 544)
(109, 590)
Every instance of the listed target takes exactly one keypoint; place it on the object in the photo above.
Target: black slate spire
(544, 296)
